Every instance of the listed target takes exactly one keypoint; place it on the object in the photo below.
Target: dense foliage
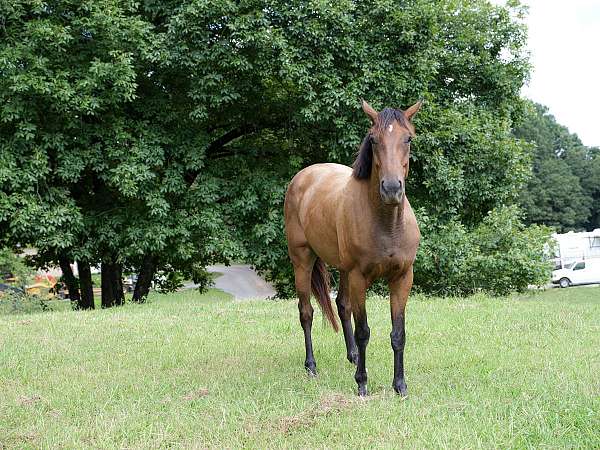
(564, 191)
(98, 156)
(159, 136)
(15, 275)
(14, 268)
(499, 255)
(467, 60)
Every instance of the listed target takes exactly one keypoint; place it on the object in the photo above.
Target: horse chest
(393, 258)
(388, 257)
(395, 244)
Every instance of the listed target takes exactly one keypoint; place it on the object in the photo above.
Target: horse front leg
(357, 291)
(399, 290)
(345, 312)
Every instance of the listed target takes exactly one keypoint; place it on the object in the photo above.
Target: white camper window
(595, 242)
(579, 266)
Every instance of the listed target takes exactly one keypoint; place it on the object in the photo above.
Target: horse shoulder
(411, 225)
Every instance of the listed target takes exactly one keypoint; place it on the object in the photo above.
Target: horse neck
(390, 218)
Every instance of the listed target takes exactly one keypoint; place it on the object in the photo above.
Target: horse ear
(410, 112)
(369, 111)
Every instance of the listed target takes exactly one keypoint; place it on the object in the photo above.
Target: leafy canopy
(170, 128)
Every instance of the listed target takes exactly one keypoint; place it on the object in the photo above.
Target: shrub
(16, 301)
(13, 266)
(498, 256)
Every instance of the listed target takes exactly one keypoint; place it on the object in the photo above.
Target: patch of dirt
(25, 322)
(54, 413)
(28, 400)
(22, 440)
(194, 395)
(327, 405)
(166, 400)
(30, 437)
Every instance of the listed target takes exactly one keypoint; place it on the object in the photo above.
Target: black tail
(319, 283)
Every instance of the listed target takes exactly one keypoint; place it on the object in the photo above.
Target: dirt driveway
(241, 281)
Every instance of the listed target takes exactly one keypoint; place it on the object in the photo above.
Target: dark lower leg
(357, 287)
(351, 349)
(361, 334)
(345, 314)
(399, 290)
(306, 317)
(398, 338)
(303, 260)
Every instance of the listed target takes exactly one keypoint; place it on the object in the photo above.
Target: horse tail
(319, 283)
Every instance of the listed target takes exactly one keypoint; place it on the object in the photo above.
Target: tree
(564, 190)
(465, 58)
(584, 162)
(98, 157)
(12, 266)
(158, 136)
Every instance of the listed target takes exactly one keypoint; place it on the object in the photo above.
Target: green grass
(189, 371)
(31, 304)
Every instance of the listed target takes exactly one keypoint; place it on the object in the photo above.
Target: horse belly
(323, 241)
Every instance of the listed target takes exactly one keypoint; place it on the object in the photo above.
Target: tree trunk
(118, 284)
(107, 295)
(70, 281)
(112, 285)
(145, 277)
(85, 282)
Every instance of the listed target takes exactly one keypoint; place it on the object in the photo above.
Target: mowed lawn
(198, 371)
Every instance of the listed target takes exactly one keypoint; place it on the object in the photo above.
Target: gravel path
(242, 282)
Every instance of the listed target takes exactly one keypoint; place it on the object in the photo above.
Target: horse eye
(409, 140)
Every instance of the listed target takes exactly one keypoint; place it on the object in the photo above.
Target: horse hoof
(401, 389)
(362, 391)
(353, 358)
(311, 370)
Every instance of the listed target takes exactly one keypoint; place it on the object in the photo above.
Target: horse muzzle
(391, 192)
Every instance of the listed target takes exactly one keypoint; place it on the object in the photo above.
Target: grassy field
(204, 371)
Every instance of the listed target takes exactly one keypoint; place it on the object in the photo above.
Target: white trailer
(573, 247)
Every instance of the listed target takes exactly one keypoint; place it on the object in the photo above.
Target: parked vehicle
(578, 272)
(43, 286)
(572, 247)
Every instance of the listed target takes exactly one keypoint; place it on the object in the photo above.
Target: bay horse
(359, 221)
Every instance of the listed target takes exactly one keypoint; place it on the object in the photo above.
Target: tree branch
(212, 151)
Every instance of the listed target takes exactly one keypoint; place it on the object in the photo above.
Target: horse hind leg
(303, 260)
(345, 313)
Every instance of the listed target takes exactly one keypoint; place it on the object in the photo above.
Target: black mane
(361, 168)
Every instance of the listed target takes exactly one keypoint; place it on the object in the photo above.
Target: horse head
(385, 151)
